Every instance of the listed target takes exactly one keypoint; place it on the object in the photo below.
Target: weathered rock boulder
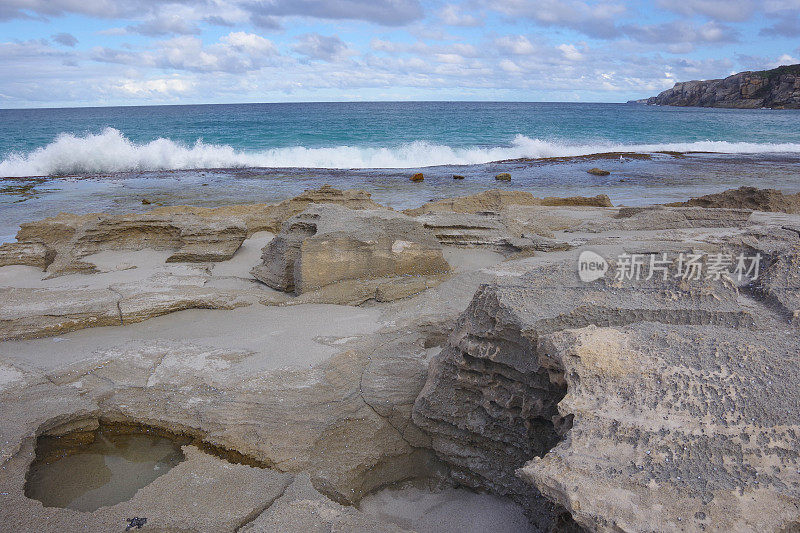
(674, 370)
(748, 198)
(328, 245)
(700, 423)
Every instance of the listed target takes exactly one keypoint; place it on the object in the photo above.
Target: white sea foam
(110, 151)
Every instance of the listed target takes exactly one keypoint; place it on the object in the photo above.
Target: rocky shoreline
(778, 88)
(305, 355)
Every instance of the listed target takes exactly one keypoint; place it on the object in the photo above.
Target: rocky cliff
(778, 88)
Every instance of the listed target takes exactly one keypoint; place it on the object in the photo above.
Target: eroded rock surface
(328, 245)
(699, 422)
(664, 218)
(620, 398)
(495, 200)
(748, 198)
(70, 238)
(194, 234)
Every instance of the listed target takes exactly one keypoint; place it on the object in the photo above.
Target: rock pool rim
(72, 436)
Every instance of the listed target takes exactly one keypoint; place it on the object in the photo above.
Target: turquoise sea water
(368, 135)
(110, 159)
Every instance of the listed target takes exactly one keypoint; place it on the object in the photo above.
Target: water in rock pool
(108, 471)
(426, 509)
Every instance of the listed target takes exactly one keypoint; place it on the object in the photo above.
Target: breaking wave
(111, 151)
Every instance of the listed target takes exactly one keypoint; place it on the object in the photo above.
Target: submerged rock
(417, 177)
(503, 176)
(598, 172)
(329, 245)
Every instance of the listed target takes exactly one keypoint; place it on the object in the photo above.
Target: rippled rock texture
(613, 400)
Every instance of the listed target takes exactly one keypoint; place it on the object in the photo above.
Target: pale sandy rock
(327, 245)
(28, 313)
(197, 489)
(778, 282)
(31, 254)
(499, 232)
(347, 427)
(467, 229)
(700, 423)
(681, 400)
(272, 218)
(345, 420)
(32, 312)
(489, 405)
(70, 238)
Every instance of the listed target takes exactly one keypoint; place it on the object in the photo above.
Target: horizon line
(318, 102)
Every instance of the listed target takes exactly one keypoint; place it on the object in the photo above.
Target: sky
(66, 53)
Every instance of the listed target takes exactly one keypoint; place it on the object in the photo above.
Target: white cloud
(509, 66)
(570, 52)
(515, 44)
(453, 15)
(236, 52)
(149, 88)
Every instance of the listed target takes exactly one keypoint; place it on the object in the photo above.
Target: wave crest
(111, 151)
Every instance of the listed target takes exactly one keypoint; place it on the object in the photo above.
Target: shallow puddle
(429, 509)
(106, 471)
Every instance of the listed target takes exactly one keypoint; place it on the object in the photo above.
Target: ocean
(110, 159)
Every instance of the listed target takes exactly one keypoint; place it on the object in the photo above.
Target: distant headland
(778, 88)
